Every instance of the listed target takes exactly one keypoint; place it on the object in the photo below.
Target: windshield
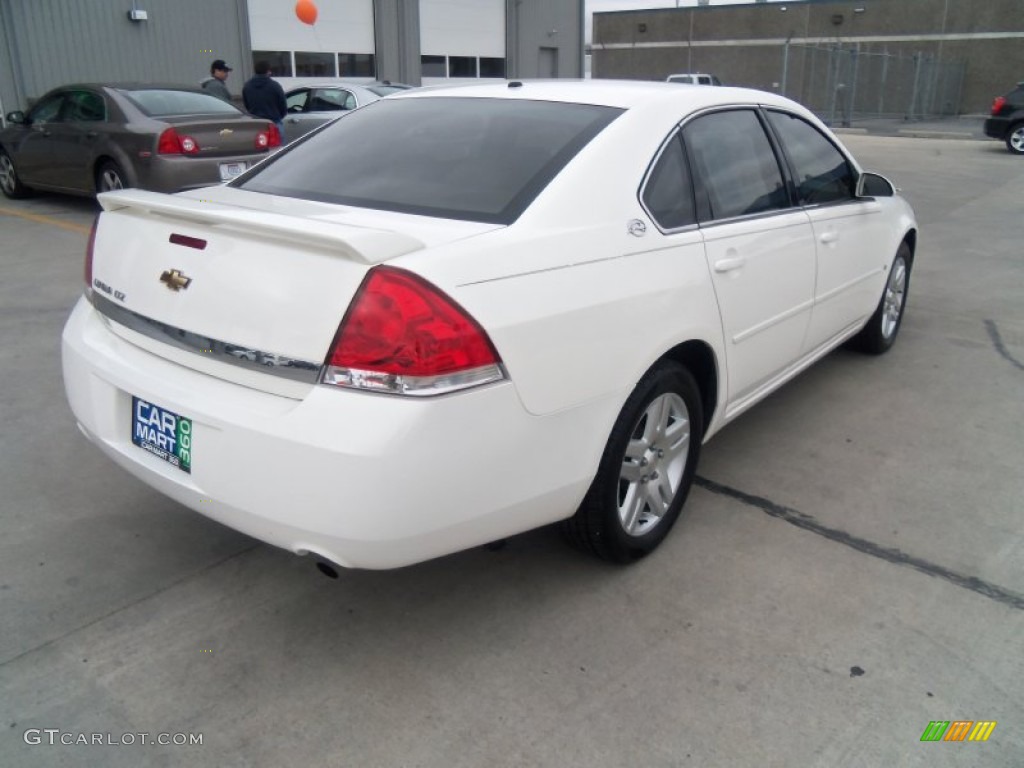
(476, 159)
(164, 103)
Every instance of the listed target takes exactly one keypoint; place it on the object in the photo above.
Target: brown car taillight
(170, 143)
(268, 138)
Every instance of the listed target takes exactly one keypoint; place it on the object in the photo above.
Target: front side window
(474, 159)
(668, 195)
(823, 174)
(296, 100)
(48, 110)
(736, 164)
(331, 100)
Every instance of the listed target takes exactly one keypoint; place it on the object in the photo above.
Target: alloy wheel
(895, 291)
(653, 467)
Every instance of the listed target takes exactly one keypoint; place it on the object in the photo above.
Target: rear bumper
(997, 127)
(368, 481)
(174, 173)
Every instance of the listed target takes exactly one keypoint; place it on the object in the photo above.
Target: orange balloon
(306, 11)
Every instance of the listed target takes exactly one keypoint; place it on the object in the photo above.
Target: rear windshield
(475, 159)
(165, 103)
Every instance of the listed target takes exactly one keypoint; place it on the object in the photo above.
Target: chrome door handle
(829, 237)
(727, 265)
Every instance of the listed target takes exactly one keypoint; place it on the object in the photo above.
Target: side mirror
(874, 185)
(17, 117)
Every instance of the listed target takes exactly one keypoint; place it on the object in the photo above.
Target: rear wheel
(646, 470)
(10, 184)
(109, 177)
(1015, 139)
(880, 333)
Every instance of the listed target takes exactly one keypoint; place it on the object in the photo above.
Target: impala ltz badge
(174, 280)
(636, 228)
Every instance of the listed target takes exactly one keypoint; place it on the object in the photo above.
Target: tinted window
(475, 159)
(434, 66)
(46, 111)
(461, 66)
(355, 65)
(84, 105)
(330, 100)
(492, 67)
(735, 161)
(163, 103)
(822, 173)
(280, 61)
(314, 64)
(668, 194)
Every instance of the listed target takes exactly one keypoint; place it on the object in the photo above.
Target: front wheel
(879, 334)
(10, 184)
(646, 470)
(110, 177)
(1015, 139)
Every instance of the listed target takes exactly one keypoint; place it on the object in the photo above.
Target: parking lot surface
(850, 566)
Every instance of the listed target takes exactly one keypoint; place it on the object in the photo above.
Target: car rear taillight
(170, 143)
(998, 104)
(89, 248)
(268, 138)
(401, 335)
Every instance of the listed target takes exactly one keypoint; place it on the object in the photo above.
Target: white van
(694, 78)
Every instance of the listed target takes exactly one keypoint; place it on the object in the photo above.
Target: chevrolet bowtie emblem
(174, 280)
(226, 132)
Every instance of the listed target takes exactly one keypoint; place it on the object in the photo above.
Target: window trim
(674, 135)
(705, 217)
(791, 165)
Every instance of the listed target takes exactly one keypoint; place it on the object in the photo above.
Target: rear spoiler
(369, 246)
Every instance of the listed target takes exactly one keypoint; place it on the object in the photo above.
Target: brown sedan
(84, 139)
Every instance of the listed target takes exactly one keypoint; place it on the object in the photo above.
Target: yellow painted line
(38, 219)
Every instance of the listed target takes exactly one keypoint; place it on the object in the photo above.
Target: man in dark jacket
(264, 97)
(215, 84)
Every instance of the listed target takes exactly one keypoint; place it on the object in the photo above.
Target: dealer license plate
(228, 171)
(163, 433)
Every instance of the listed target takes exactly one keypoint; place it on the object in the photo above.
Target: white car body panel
(580, 296)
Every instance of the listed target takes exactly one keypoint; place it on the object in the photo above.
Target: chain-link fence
(844, 83)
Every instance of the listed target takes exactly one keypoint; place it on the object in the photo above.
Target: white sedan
(456, 315)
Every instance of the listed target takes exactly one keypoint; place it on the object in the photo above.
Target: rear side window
(165, 103)
(668, 194)
(85, 106)
(823, 174)
(476, 159)
(736, 164)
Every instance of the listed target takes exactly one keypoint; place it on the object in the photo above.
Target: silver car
(311, 106)
(89, 138)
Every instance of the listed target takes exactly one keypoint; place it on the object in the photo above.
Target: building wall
(47, 43)
(545, 38)
(745, 44)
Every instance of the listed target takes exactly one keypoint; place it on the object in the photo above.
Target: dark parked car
(84, 139)
(1007, 120)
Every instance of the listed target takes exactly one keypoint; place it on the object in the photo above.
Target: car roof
(622, 94)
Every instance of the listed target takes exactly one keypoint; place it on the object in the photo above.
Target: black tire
(879, 334)
(639, 466)
(1015, 138)
(10, 184)
(109, 177)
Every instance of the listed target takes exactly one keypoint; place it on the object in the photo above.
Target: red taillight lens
(404, 336)
(170, 143)
(268, 138)
(998, 104)
(89, 248)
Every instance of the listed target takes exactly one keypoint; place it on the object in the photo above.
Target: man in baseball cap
(214, 84)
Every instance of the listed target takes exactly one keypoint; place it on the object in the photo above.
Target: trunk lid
(219, 136)
(240, 285)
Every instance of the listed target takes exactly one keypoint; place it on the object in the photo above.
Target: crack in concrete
(997, 342)
(889, 554)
